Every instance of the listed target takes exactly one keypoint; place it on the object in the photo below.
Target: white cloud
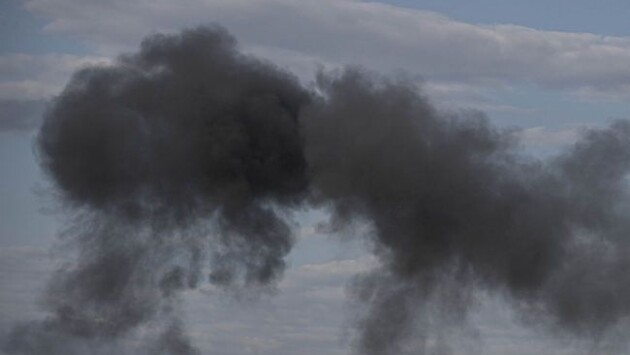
(29, 81)
(27, 90)
(546, 137)
(48, 65)
(446, 95)
(39, 76)
(618, 93)
(338, 268)
(382, 37)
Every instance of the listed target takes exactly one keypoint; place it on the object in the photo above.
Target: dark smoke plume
(190, 153)
(454, 206)
(185, 140)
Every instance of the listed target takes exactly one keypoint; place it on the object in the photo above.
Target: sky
(547, 69)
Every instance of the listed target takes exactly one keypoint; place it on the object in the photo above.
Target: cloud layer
(464, 65)
(381, 37)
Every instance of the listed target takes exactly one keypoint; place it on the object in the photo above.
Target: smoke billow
(454, 207)
(179, 153)
(190, 154)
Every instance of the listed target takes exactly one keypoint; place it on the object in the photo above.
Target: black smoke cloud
(190, 153)
(454, 206)
(178, 154)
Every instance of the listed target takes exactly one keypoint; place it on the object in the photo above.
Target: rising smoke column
(190, 152)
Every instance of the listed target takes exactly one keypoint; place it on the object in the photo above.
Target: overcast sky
(550, 68)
